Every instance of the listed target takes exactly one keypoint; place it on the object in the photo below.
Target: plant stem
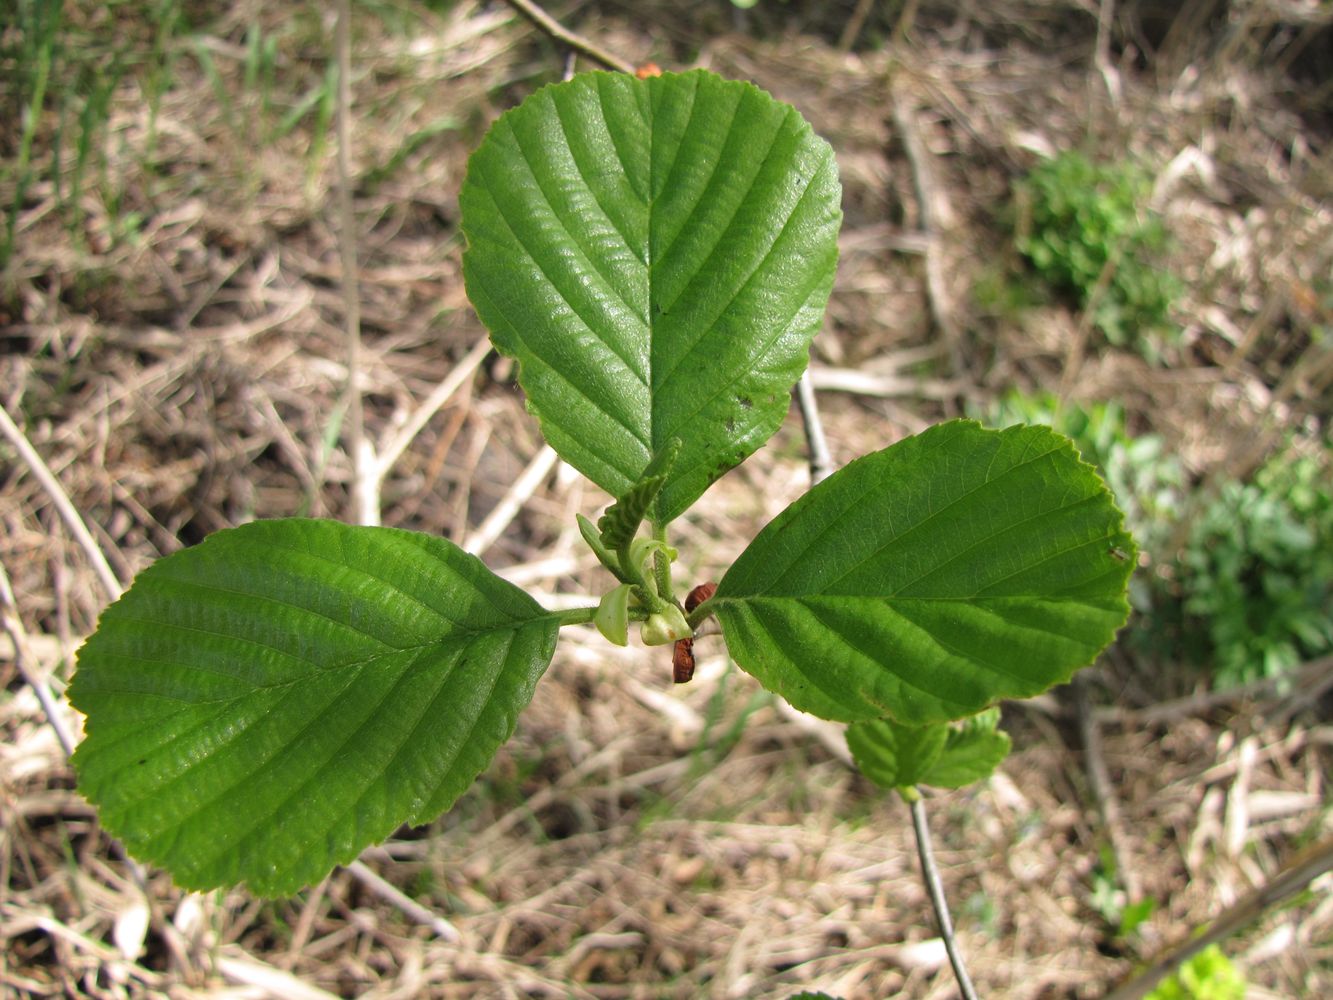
(936, 888)
(576, 616)
(365, 486)
(72, 518)
(662, 565)
(821, 462)
(560, 33)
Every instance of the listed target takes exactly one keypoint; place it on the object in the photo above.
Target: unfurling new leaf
(943, 755)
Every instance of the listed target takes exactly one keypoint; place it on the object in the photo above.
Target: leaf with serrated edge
(268, 703)
(895, 756)
(974, 749)
(657, 254)
(933, 578)
(944, 755)
(622, 519)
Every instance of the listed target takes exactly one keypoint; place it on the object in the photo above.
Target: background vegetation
(1111, 217)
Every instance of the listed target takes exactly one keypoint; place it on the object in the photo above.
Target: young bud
(667, 626)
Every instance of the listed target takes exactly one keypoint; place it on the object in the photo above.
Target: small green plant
(1209, 975)
(1088, 232)
(1108, 899)
(1256, 576)
(1245, 588)
(657, 255)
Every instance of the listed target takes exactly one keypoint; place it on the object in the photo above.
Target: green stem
(585, 616)
(662, 565)
(593, 539)
(576, 616)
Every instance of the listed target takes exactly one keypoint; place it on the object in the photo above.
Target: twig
(821, 466)
(562, 34)
(18, 635)
(1303, 870)
(1099, 782)
(365, 487)
(60, 498)
(923, 180)
(821, 462)
(936, 889)
(440, 395)
(906, 21)
(854, 25)
(409, 906)
(1102, 51)
(508, 507)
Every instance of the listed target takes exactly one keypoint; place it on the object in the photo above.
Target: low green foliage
(1241, 579)
(1108, 898)
(1257, 571)
(1088, 232)
(1209, 975)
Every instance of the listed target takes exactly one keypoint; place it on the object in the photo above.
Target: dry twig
(60, 498)
(1298, 874)
(575, 41)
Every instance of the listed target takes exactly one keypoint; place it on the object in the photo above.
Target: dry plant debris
(170, 344)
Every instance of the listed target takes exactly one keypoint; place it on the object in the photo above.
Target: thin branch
(1303, 870)
(507, 509)
(1103, 792)
(60, 498)
(854, 25)
(26, 663)
(928, 197)
(440, 395)
(409, 906)
(365, 486)
(576, 42)
(1102, 51)
(821, 462)
(936, 889)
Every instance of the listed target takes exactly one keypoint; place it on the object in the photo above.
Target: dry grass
(171, 345)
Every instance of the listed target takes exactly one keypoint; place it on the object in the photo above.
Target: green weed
(1240, 578)
(1090, 236)
(1209, 975)
(1257, 570)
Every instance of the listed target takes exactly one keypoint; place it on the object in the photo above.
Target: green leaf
(266, 704)
(895, 756)
(657, 255)
(933, 578)
(945, 755)
(974, 749)
(622, 519)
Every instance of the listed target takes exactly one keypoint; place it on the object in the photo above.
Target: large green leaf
(657, 255)
(930, 579)
(263, 706)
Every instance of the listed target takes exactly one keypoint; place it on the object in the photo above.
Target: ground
(172, 346)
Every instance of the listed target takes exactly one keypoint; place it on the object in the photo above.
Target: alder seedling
(657, 255)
